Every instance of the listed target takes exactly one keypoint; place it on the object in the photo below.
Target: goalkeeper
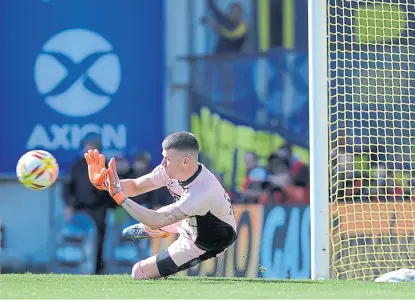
(201, 213)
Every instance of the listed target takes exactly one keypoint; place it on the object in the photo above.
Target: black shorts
(180, 256)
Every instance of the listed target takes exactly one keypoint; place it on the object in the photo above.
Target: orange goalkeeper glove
(114, 184)
(96, 168)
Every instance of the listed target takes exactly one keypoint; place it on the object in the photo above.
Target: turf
(122, 287)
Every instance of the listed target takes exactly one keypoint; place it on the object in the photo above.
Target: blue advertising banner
(285, 243)
(264, 89)
(71, 68)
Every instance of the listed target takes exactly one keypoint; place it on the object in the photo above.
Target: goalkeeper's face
(176, 163)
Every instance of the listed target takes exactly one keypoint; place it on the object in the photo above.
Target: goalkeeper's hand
(96, 168)
(114, 184)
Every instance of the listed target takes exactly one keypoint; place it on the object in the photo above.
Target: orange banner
(376, 219)
(369, 239)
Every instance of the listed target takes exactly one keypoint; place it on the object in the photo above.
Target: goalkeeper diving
(201, 213)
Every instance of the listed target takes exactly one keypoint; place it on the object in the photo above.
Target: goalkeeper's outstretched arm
(131, 187)
(165, 216)
(138, 186)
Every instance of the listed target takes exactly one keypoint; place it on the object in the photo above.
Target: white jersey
(211, 223)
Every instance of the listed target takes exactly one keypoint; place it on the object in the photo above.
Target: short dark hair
(182, 141)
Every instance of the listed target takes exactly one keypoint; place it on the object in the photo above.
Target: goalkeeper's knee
(137, 273)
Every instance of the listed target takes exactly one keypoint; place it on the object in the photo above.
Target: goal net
(371, 71)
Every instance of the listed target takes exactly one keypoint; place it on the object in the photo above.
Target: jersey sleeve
(158, 176)
(194, 203)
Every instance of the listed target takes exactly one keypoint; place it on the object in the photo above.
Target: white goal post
(319, 153)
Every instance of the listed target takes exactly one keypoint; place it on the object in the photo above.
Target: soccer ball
(37, 169)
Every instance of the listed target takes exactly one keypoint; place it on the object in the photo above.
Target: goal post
(362, 137)
(319, 156)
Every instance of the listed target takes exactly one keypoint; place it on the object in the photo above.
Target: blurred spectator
(81, 196)
(123, 167)
(141, 165)
(251, 161)
(279, 171)
(288, 179)
(231, 28)
(255, 179)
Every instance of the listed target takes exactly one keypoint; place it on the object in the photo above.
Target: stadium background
(169, 81)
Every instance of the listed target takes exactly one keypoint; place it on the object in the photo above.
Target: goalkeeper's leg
(179, 256)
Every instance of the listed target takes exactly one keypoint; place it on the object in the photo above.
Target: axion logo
(77, 72)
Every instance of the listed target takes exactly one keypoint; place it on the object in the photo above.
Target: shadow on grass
(227, 280)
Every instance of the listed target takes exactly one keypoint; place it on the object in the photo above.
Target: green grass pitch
(31, 286)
